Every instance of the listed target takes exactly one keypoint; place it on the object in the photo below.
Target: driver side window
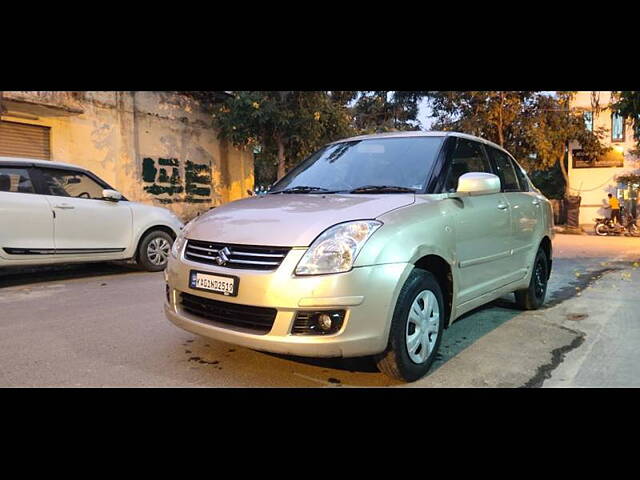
(68, 183)
(467, 156)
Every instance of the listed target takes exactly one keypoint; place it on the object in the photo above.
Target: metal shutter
(22, 140)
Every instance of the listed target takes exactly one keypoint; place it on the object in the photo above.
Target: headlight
(336, 249)
(180, 240)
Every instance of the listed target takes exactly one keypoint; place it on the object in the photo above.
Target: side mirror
(111, 195)
(477, 183)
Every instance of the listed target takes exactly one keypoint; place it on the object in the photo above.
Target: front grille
(259, 319)
(241, 256)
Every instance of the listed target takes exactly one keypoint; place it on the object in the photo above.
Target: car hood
(289, 220)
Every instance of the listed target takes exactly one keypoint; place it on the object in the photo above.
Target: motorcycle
(606, 226)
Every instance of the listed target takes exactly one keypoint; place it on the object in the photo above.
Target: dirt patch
(575, 317)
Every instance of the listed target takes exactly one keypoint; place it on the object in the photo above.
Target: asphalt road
(103, 325)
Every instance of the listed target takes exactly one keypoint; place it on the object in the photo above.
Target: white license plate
(226, 285)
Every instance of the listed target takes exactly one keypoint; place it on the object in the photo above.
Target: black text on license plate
(226, 285)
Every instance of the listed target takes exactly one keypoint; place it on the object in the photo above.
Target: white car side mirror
(478, 183)
(112, 195)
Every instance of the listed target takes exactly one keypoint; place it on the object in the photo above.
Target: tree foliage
(536, 127)
(284, 125)
(627, 104)
(384, 111)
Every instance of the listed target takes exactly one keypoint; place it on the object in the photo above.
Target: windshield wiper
(383, 189)
(302, 189)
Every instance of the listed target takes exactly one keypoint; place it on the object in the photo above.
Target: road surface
(103, 325)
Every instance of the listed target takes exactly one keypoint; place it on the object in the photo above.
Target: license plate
(224, 284)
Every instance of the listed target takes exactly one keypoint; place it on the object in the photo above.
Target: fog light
(318, 323)
(324, 322)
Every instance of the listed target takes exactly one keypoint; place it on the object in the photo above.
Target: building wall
(593, 184)
(158, 148)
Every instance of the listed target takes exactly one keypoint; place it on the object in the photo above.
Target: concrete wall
(593, 184)
(155, 147)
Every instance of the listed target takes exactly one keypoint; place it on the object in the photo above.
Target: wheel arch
(162, 228)
(441, 269)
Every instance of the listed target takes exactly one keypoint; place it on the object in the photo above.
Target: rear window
(15, 180)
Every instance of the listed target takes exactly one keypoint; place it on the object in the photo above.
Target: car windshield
(378, 165)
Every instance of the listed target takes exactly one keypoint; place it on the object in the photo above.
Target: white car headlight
(336, 249)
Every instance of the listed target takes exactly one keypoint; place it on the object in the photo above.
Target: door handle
(64, 206)
(536, 202)
(503, 206)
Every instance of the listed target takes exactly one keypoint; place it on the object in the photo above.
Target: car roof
(35, 162)
(419, 133)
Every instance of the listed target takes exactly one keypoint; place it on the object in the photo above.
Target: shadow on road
(17, 276)
(353, 365)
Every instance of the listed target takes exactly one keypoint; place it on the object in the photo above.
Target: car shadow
(353, 365)
(462, 333)
(472, 326)
(17, 276)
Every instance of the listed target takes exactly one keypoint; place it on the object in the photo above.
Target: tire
(154, 250)
(633, 230)
(601, 229)
(532, 298)
(420, 291)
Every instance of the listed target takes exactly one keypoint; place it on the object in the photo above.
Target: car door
(525, 206)
(26, 220)
(84, 222)
(482, 226)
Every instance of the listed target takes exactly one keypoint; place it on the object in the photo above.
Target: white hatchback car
(54, 212)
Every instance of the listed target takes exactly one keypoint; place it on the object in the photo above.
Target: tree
(536, 127)
(383, 111)
(627, 104)
(287, 125)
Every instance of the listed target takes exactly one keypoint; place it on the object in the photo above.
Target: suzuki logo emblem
(223, 256)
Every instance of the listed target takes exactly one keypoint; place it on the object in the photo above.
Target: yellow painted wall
(118, 130)
(593, 184)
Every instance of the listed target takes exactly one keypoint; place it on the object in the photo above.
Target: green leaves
(536, 127)
(628, 105)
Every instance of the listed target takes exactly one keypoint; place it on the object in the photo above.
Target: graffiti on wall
(164, 176)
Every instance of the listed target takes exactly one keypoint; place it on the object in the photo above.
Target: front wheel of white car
(416, 328)
(153, 251)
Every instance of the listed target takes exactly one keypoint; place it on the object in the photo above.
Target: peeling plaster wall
(188, 170)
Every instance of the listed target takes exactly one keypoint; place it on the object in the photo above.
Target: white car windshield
(381, 165)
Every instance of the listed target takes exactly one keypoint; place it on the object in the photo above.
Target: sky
(423, 112)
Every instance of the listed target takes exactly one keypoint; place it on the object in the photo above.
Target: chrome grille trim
(241, 256)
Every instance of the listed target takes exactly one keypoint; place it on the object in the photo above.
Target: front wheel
(153, 252)
(601, 229)
(416, 328)
(532, 298)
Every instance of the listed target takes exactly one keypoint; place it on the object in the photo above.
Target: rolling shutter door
(22, 140)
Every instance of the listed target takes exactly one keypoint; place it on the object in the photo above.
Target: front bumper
(367, 294)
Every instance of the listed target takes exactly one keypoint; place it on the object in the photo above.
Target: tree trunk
(281, 158)
(563, 169)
